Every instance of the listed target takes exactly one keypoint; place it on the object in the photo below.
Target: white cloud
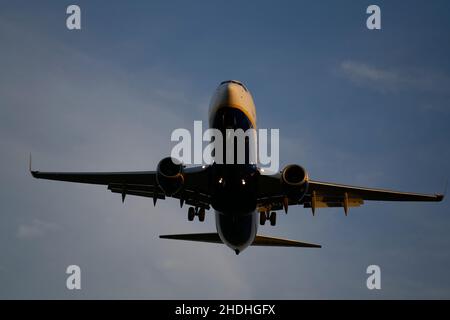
(395, 79)
(360, 71)
(35, 229)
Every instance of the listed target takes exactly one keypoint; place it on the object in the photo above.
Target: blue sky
(353, 106)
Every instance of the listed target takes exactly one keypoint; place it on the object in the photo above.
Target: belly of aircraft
(234, 185)
(237, 231)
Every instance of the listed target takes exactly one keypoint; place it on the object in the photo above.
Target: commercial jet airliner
(239, 193)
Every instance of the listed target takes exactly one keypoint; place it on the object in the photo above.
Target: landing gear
(191, 213)
(262, 218)
(200, 212)
(271, 216)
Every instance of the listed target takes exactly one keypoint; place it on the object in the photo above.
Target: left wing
(325, 194)
(141, 183)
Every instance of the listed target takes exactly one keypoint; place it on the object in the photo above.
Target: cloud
(37, 228)
(360, 71)
(395, 79)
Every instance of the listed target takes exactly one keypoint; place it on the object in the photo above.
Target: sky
(354, 106)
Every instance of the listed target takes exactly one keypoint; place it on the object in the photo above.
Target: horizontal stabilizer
(279, 242)
(259, 240)
(200, 237)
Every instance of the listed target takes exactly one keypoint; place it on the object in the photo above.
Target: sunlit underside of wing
(329, 195)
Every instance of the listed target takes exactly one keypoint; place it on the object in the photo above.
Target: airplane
(240, 194)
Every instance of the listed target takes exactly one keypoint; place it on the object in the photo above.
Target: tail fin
(259, 240)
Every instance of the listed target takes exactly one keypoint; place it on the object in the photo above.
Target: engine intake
(169, 176)
(294, 180)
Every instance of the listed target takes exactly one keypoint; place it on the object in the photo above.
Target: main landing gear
(271, 216)
(199, 212)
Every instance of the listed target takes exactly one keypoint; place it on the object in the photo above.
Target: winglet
(33, 173)
(445, 189)
(440, 197)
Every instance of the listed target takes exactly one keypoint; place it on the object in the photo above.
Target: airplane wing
(325, 194)
(141, 183)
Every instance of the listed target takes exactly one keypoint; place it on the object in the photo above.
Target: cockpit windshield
(236, 82)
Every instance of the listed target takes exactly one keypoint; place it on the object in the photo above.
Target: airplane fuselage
(234, 194)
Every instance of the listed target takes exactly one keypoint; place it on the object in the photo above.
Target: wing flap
(139, 193)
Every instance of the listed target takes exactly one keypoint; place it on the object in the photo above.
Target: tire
(201, 214)
(273, 218)
(191, 213)
(262, 218)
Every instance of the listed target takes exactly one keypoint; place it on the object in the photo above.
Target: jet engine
(294, 180)
(169, 176)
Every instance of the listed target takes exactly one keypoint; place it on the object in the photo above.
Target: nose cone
(231, 94)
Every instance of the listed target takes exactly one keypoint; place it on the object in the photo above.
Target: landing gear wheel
(191, 213)
(273, 218)
(262, 218)
(201, 214)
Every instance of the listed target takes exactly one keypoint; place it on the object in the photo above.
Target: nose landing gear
(271, 216)
(200, 212)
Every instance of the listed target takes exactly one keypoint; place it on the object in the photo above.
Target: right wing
(141, 183)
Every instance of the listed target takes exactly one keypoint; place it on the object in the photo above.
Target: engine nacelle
(169, 176)
(294, 180)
